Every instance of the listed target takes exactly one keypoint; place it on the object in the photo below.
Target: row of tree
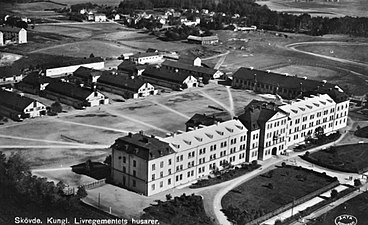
(260, 16)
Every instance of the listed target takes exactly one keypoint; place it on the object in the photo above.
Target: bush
(357, 182)
(334, 193)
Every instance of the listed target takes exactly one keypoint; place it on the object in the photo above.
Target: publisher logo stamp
(346, 220)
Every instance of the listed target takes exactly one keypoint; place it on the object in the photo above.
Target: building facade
(12, 35)
(69, 67)
(18, 107)
(157, 165)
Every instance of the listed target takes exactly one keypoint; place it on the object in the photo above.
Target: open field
(349, 51)
(270, 191)
(357, 207)
(77, 134)
(320, 8)
(315, 73)
(349, 158)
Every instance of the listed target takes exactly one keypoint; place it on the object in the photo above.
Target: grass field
(316, 73)
(256, 197)
(357, 207)
(352, 157)
(358, 53)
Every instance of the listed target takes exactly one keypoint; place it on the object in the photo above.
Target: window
(169, 181)
(134, 184)
(161, 164)
(161, 184)
(124, 159)
(169, 161)
(153, 176)
(134, 163)
(161, 174)
(153, 187)
(169, 171)
(124, 169)
(153, 167)
(134, 173)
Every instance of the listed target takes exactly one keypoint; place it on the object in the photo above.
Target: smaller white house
(100, 17)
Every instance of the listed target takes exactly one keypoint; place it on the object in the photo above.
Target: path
(295, 45)
(216, 56)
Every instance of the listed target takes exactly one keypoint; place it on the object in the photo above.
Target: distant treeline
(260, 16)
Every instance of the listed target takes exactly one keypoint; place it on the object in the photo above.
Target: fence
(94, 184)
(294, 203)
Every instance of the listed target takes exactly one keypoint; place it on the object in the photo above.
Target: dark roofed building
(126, 86)
(142, 146)
(167, 78)
(201, 119)
(256, 118)
(18, 107)
(136, 158)
(288, 87)
(34, 83)
(146, 57)
(74, 95)
(191, 60)
(86, 76)
(10, 75)
(196, 71)
(131, 68)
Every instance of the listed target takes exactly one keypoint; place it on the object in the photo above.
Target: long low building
(65, 68)
(196, 71)
(18, 107)
(74, 95)
(126, 86)
(175, 80)
(208, 40)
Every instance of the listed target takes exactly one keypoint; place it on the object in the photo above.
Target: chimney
(130, 134)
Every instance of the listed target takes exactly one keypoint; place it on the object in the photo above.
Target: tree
(56, 107)
(357, 182)
(168, 197)
(81, 193)
(334, 193)
(91, 55)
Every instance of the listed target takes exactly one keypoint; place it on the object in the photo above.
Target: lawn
(348, 158)
(311, 72)
(270, 191)
(349, 51)
(357, 207)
